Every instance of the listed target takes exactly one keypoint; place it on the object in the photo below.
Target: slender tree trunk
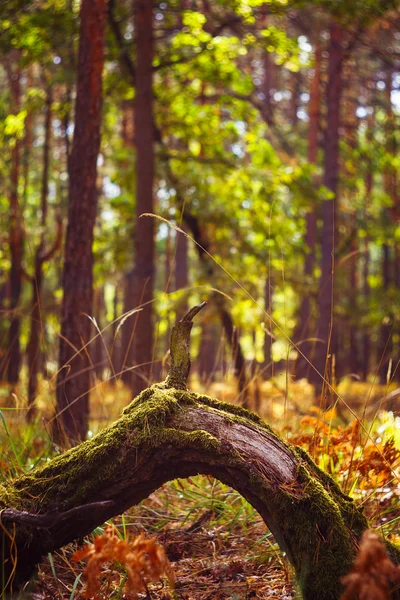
(231, 332)
(389, 266)
(99, 353)
(16, 232)
(385, 338)
(208, 356)
(366, 348)
(268, 83)
(366, 338)
(33, 349)
(268, 366)
(116, 347)
(294, 101)
(331, 173)
(143, 273)
(353, 359)
(303, 328)
(181, 272)
(73, 381)
(127, 330)
(28, 139)
(168, 287)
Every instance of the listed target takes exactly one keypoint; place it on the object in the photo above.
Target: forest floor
(217, 543)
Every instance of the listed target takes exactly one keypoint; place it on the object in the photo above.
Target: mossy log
(165, 433)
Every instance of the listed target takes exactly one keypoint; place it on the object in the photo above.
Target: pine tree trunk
(303, 328)
(33, 348)
(124, 343)
(331, 172)
(353, 359)
(268, 365)
(181, 271)
(208, 356)
(385, 345)
(100, 360)
(389, 266)
(74, 376)
(143, 273)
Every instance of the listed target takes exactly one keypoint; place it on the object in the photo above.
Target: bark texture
(73, 390)
(143, 273)
(42, 254)
(181, 271)
(331, 174)
(303, 329)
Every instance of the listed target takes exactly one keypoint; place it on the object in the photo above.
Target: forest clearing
(199, 299)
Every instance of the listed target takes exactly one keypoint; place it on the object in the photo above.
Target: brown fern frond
(144, 560)
(374, 574)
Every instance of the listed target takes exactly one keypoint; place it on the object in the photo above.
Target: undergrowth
(217, 543)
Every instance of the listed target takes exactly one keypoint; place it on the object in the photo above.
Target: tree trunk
(73, 381)
(202, 246)
(331, 173)
(116, 347)
(100, 358)
(389, 266)
(303, 328)
(366, 340)
(207, 358)
(16, 232)
(294, 101)
(353, 359)
(385, 345)
(268, 365)
(181, 271)
(124, 343)
(33, 348)
(28, 140)
(143, 273)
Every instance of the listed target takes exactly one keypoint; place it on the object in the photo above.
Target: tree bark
(28, 139)
(389, 263)
(74, 365)
(385, 344)
(207, 358)
(303, 328)
(33, 348)
(143, 272)
(126, 334)
(331, 173)
(268, 365)
(366, 340)
(181, 271)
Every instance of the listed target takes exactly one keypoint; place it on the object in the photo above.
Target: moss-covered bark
(166, 433)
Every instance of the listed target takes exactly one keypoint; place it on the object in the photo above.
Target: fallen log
(169, 432)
